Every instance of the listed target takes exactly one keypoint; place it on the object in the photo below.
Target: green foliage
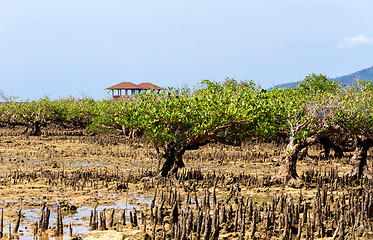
(227, 112)
(69, 111)
(364, 86)
(314, 84)
(181, 116)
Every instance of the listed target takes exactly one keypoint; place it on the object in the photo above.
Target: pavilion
(126, 89)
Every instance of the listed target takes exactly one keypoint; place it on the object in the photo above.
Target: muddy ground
(106, 171)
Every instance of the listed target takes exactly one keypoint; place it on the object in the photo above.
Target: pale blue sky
(61, 48)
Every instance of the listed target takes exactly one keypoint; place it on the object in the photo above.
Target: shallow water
(79, 219)
(84, 164)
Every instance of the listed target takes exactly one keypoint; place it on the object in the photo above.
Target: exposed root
(156, 177)
(285, 178)
(278, 158)
(365, 173)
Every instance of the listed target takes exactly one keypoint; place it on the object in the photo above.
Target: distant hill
(348, 80)
(286, 85)
(362, 75)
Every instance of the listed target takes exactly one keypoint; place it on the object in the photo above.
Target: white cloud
(353, 42)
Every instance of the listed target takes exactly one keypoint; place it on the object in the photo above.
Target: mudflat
(98, 179)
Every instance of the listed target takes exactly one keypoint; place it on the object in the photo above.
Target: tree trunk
(358, 161)
(328, 144)
(287, 172)
(174, 159)
(36, 130)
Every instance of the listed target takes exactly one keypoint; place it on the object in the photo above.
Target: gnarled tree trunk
(173, 155)
(328, 144)
(173, 159)
(287, 172)
(288, 169)
(358, 161)
(36, 129)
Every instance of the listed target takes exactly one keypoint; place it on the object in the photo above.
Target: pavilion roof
(146, 85)
(129, 85)
(124, 85)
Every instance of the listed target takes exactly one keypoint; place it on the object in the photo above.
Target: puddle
(78, 219)
(84, 164)
(33, 162)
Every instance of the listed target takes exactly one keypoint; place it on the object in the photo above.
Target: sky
(78, 48)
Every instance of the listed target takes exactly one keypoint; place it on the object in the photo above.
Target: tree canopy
(177, 120)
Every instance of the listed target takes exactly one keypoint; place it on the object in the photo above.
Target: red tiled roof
(146, 85)
(124, 85)
(129, 85)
